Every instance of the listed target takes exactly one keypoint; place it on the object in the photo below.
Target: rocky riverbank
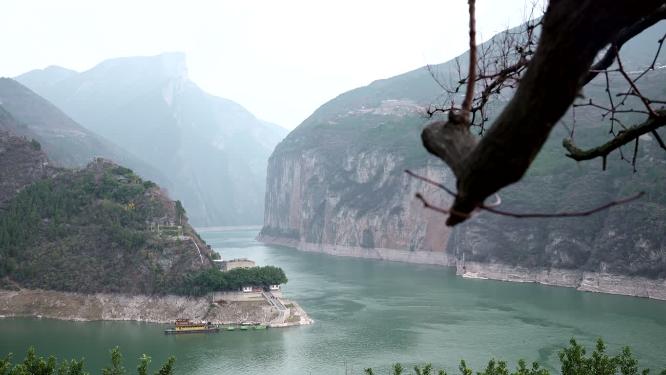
(155, 309)
(394, 255)
(599, 282)
(581, 280)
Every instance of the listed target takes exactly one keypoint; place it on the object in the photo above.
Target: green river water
(369, 313)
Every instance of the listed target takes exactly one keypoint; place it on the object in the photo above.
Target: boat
(259, 327)
(187, 326)
(230, 328)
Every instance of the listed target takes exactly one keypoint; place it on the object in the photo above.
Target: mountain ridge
(212, 148)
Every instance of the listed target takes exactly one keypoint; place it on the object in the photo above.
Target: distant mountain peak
(166, 65)
(48, 76)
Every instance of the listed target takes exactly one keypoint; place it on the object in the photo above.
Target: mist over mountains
(211, 152)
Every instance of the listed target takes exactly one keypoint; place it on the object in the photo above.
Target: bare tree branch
(471, 80)
(497, 211)
(431, 182)
(564, 214)
(622, 138)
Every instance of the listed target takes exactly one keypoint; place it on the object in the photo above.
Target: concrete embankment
(581, 280)
(156, 309)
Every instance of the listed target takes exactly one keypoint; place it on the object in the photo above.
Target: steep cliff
(336, 184)
(329, 188)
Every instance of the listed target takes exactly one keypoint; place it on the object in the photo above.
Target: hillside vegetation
(100, 229)
(95, 230)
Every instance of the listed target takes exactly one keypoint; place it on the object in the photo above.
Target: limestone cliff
(326, 189)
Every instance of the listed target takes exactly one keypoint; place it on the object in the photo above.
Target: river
(369, 313)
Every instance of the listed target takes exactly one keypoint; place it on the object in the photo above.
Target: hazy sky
(280, 59)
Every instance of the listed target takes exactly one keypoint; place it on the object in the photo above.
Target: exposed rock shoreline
(154, 309)
(598, 282)
(581, 280)
(419, 257)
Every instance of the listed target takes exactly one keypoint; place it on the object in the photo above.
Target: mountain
(336, 184)
(66, 143)
(89, 230)
(213, 150)
(40, 79)
(21, 159)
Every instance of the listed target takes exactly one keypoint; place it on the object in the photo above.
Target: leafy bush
(37, 365)
(573, 361)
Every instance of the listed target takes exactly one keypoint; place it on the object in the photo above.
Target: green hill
(97, 229)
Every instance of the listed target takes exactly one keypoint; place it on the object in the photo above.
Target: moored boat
(188, 326)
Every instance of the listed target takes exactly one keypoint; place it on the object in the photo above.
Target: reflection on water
(370, 313)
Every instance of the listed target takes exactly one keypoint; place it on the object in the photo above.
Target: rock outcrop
(144, 308)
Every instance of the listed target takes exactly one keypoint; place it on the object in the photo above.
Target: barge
(182, 326)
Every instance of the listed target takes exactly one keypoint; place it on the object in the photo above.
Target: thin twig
(441, 210)
(471, 78)
(564, 214)
(492, 207)
(633, 85)
(659, 140)
(431, 182)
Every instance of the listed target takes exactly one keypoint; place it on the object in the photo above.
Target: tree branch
(623, 137)
(516, 215)
(624, 36)
(471, 77)
(564, 214)
(573, 33)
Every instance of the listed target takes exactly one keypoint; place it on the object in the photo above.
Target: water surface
(370, 313)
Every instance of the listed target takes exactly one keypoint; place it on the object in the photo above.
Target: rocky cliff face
(336, 184)
(325, 188)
